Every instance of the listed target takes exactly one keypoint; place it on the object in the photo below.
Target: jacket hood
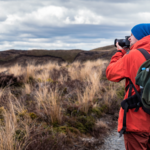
(143, 43)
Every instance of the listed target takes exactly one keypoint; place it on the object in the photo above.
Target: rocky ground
(113, 142)
(108, 141)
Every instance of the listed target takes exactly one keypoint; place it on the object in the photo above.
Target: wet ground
(113, 142)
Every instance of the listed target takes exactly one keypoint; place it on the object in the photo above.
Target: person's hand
(119, 47)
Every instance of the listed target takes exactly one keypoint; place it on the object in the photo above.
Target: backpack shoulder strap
(145, 53)
(131, 100)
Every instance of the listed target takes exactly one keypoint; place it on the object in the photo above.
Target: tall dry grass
(16, 70)
(85, 98)
(46, 101)
(90, 72)
(3, 69)
(9, 126)
(27, 88)
(49, 104)
(51, 66)
(83, 71)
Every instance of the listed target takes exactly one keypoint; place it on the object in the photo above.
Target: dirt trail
(113, 142)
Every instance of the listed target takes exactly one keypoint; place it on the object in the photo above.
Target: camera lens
(123, 42)
(115, 42)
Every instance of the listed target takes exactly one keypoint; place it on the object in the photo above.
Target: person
(125, 65)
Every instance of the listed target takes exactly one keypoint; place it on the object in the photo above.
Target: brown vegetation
(23, 57)
(54, 107)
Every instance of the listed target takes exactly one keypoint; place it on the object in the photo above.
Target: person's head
(132, 39)
(138, 32)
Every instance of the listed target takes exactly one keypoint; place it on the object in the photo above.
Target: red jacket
(123, 65)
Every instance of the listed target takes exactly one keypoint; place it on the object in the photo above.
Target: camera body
(123, 42)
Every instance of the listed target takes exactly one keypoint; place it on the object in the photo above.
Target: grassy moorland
(22, 57)
(66, 55)
(56, 107)
(105, 48)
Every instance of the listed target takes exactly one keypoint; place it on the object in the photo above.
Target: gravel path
(113, 142)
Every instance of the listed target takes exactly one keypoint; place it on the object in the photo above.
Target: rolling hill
(10, 57)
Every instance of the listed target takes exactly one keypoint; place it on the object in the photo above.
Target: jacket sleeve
(119, 66)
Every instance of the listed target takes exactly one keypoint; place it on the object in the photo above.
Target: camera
(123, 42)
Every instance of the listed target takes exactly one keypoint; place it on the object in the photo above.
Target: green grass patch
(121, 93)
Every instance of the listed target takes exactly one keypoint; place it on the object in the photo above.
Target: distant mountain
(22, 57)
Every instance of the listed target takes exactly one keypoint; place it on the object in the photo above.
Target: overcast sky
(68, 24)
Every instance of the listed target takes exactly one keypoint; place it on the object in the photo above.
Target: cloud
(82, 24)
(145, 16)
(58, 44)
(55, 16)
